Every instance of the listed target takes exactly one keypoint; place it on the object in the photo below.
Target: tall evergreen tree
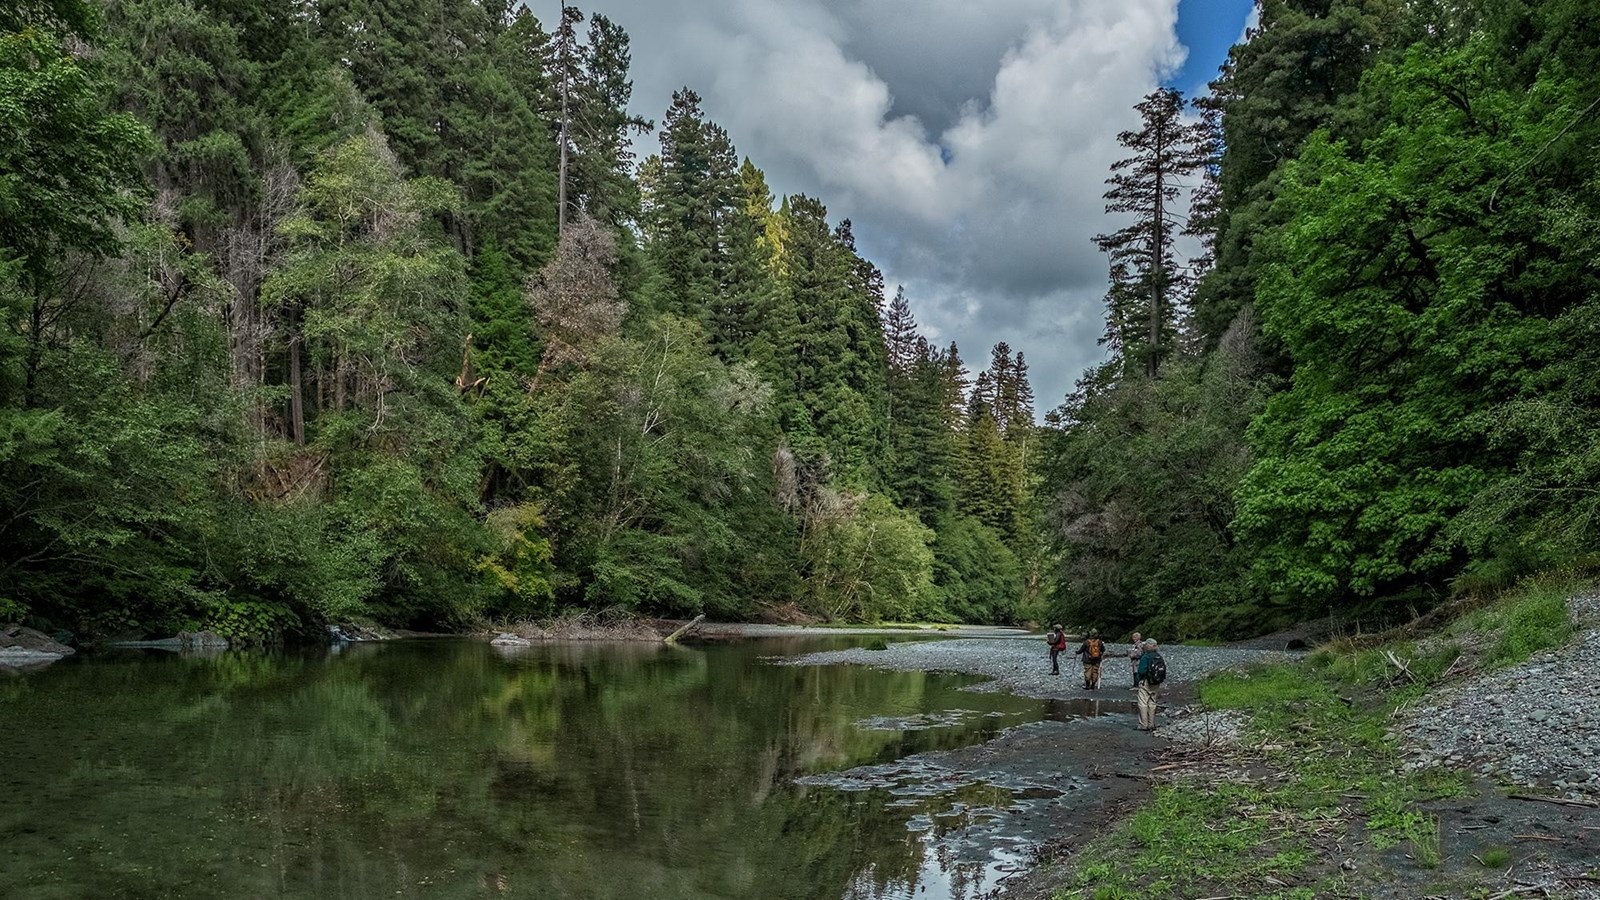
(1148, 282)
(747, 284)
(693, 190)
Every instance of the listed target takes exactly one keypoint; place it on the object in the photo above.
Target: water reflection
(449, 769)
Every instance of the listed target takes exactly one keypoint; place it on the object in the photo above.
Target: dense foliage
(297, 329)
(1386, 393)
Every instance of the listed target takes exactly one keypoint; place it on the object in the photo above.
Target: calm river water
(447, 769)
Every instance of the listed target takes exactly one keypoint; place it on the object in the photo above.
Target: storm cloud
(968, 142)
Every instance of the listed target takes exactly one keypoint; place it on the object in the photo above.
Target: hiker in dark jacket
(1092, 650)
(1058, 643)
(1151, 673)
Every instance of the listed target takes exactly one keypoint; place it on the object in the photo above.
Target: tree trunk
(566, 117)
(35, 351)
(297, 412)
(1155, 265)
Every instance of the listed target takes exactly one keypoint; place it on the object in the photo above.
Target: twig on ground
(1519, 890)
(1587, 804)
(1399, 664)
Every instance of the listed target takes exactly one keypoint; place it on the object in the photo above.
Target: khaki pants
(1147, 704)
(1091, 674)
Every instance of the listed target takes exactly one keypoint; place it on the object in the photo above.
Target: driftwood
(1587, 804)
(1400, 664)
(693, 623)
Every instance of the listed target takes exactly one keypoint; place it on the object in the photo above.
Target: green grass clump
(1424, 837)
(878, 644)
(1537, 621)
(1195, 832)
(1494, 858)
(1530, 619)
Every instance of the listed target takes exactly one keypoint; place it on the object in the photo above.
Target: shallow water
(450, 769)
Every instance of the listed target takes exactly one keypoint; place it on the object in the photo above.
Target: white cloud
(984, 202)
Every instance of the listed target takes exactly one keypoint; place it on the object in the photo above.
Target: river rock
(507, 639)
(21, 646)
(202, 640)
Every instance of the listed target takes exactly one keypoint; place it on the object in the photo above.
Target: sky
(967, 140)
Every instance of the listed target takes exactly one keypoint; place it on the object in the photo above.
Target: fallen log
(692, 624)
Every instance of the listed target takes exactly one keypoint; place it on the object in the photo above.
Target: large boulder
(21, 646)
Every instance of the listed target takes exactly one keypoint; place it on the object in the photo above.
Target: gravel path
(1535, 724)
(1023, 666)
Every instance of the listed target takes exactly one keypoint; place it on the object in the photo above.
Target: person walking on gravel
(1149, 676)
(1057, 638)
(1133, 659)
(1092, 650)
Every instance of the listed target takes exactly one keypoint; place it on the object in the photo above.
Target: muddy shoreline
(1081, 770)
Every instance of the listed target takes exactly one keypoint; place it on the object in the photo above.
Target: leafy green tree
(372, 293)
(676, 514)
(1140, 477)
(1298, 72)
(1417, 287)
(976, 576)
(870, 561)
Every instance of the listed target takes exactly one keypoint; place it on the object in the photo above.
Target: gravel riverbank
(1022, 666)
(1536, 724)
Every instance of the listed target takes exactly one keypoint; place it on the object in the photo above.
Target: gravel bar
(1023, 666)
(1535, 724)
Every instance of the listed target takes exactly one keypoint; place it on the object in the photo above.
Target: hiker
(1092, 649)
(1151, 673)
(1133, 659)
(1057, 639)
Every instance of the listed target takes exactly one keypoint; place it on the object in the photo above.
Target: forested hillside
(1377, 386)
(328, 309)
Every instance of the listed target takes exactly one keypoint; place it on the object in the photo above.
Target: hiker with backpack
(1149, 676)
(1057, 639)
(1092, 650)
(1133, 659)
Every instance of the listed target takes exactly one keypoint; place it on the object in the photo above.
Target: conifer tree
(987, 465)
(692, 195)
(1146, 280)
(587, 106)
(746, 288)
(900, 335)
(954, 383)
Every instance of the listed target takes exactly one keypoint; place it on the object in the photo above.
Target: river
(448, 768)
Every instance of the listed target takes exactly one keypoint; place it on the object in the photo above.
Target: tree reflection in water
(448, 769)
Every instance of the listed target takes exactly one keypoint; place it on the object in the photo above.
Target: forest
(329, 310)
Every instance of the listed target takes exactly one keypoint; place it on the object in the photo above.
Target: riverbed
(449, 768)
